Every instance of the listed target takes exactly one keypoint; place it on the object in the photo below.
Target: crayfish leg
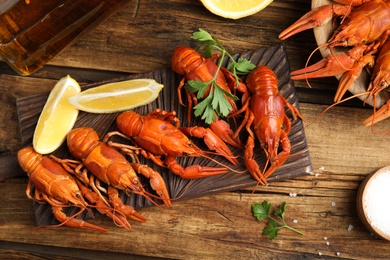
(103, 207)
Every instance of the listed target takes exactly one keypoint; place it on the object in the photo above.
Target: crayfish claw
(331, 66)
(156, 181)
(212, 140)
(316, 17)
(72, 221)
(126, 210)
(222, 129)
(346, 81)
(193, 171)
(381, 114)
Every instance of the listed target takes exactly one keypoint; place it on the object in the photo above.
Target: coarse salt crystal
(295, 221)
(321, 168)
(320, 253)
(327, 243)
(338, 253)
(293, 194)
(333, 203)
(325, 238)
(375, 199)
(317, 174)
(350, 227)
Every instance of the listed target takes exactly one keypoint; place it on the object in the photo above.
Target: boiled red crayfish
(364, 29)
(188, 62)
(265, 119)
(54, 185)
(111, 167)
(380, 80)
(364, 24)
(161, 141)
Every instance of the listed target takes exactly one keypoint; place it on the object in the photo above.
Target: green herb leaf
(241, 66)
(262, 211)
(205, 109)
(202, 36)
(271, 230)
(279, 212)
(194, 85)
(218, 104)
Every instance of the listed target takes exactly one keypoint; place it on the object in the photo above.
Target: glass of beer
(32, 32)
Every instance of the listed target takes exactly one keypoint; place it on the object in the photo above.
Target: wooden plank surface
(220, 226)
(223, 224)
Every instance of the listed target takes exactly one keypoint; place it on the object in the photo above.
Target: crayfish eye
(78, 195)
(384, 84)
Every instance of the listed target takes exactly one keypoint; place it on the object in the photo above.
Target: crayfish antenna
(219, 163)
(148, 196)
(333, 105)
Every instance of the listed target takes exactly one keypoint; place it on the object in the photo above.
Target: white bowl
(372, 203)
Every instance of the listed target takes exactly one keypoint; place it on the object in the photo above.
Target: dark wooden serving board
(298, 164)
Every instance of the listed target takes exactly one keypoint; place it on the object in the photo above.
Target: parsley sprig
(263, 211)
(216, 102)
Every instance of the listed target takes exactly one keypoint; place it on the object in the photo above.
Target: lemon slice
(57, 117)
(235, 9)
(118, 96)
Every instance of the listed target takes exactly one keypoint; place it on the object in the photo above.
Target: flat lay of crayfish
(353, 39)
(179, 146)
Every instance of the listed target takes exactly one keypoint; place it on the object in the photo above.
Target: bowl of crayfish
(361, 84)
(352, 38)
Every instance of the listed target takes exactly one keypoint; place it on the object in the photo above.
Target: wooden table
(141, 38)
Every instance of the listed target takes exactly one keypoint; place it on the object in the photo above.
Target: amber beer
(33, 32)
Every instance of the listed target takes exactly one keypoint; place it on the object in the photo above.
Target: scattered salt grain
(377, 213)
(333, 203)
(322, 168)
(317, 174)
(327, 243)
(350, 227)
(325, 238)
(295, 221)
(319, 253)
(338, 253)
(293, 194)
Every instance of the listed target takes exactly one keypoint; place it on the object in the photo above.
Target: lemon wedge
(235, 9)
(57, 117)
(118, 96)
